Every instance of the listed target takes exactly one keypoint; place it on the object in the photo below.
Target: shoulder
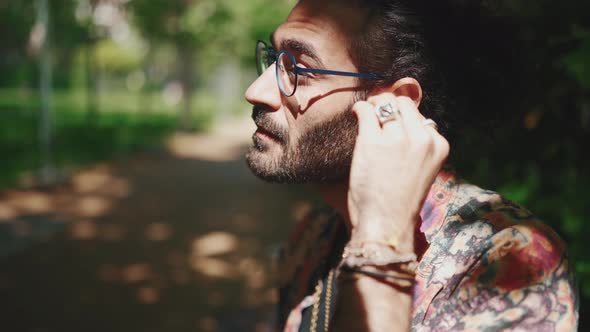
(504, 232)
(504, 265)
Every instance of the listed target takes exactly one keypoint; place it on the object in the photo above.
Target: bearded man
(351, 97)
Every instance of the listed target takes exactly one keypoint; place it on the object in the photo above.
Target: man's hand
(393, 168)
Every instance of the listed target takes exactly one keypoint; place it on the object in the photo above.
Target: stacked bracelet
(377, 254)
(401, 280)
(380, 260)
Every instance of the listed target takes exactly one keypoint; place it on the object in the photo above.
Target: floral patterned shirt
(487, 264)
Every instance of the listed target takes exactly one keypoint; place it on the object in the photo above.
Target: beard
(322, 154)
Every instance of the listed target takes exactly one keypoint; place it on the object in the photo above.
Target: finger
(413, 121)
(441, 145)
(384, 99)
(367, 120)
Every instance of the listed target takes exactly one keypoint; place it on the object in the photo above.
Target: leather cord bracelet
(377, 254)
(398, 279)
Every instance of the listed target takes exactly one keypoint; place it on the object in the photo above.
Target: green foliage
(190, 24)
(118, 131)
(15, 25)
(255, 20)
(216, 30)
(66, 30)
(76, 141)
(112, 57)
(17, 20)
(578, 60)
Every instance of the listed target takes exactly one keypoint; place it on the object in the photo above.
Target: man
(349, 98)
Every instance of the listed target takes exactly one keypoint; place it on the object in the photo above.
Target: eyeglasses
(287, 71)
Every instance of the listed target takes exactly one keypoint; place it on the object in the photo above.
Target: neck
(336, 196)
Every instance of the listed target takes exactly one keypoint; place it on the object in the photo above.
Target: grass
(115, 100)
(78, 139)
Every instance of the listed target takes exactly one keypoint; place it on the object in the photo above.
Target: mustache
(263, 120)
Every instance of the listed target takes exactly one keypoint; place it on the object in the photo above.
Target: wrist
(398, 234)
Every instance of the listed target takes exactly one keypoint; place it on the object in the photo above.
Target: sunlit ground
(178, 240)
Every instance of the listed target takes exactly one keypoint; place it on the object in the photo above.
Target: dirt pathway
(178, 240)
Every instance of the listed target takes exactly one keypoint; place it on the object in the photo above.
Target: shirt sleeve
(521, 281)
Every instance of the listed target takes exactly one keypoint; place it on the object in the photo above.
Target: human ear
(408, 87)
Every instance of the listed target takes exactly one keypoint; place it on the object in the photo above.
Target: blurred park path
(175, 240)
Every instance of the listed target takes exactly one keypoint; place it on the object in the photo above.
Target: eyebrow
(298, 46)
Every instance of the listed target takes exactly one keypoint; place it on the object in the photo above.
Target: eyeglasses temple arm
(339, 73)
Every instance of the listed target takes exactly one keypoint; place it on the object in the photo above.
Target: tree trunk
(47, 172)
(91, 84)
(186, 80)
(145, 99)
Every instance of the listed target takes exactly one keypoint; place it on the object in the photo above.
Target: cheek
(310, 106)
(306, 98)
(331, 90)
(299, 127)
(307, 121)
(330, 106)
(315, 90)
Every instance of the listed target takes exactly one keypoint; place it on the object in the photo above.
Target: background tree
(190, 26)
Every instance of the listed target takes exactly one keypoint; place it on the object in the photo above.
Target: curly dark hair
(460, 51)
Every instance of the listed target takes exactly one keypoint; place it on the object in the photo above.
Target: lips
(267, 128)
(267, 133)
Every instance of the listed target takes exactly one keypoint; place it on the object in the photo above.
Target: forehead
(326, 25)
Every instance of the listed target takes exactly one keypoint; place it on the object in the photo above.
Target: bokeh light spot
(84, 230)
(158, 232)
(216, 243)
(136, 272)
(148, 295)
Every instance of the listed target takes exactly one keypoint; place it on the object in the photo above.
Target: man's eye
(304, 73)
(307, 74)
(304, 78)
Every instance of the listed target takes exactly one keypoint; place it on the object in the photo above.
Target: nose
(264, 90)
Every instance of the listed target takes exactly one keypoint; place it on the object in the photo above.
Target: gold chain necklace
(316, 306)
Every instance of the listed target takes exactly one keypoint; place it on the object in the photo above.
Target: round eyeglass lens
(286, 75)
(261, 57)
